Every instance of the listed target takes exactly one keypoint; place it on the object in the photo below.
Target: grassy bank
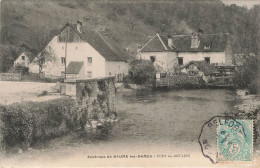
(249, 108)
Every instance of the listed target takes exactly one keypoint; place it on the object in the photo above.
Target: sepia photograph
(129, 83)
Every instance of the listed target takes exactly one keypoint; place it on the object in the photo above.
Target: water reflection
(162, 117)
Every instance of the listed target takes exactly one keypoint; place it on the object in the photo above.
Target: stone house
(92, 53)
(175, 51)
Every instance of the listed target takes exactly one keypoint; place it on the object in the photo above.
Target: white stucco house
(82, 53)
(25, 56)
(178, 50)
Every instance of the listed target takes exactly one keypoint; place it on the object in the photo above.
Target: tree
(246, 75)
(45, 58)
(8, 54)
(141, 71)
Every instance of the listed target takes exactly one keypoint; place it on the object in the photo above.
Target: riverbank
(249, 108)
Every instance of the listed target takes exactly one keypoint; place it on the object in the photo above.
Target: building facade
(22, 60)
(176, 51)
(97, 56)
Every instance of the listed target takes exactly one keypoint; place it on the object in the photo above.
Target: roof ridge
(161, 41)
(181, 35)
(148, 42)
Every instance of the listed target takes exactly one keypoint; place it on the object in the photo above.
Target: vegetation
(44, 56)
(129, 23)
(20, 69)
(25, 123)
(7, 56)
(246, 75)
(141, 71)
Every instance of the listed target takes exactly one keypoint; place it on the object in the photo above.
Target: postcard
(117, 83)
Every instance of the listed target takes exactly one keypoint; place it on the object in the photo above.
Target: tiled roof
(74, 67)
(182, 43)
(217, 43)
(108, 48)
(203, 66)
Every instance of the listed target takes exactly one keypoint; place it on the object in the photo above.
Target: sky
(248, 3)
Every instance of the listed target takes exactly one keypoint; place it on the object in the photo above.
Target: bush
(141, 71)
(25, 123)
(185, 81)
(126, 81)
(20, 69)
(246, 75)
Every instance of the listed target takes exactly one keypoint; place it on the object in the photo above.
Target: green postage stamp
(234, 141)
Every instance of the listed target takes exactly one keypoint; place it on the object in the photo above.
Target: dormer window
(23, 58)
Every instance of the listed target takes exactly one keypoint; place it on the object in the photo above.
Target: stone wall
(180, 81)
(95, 97)
(10, 77)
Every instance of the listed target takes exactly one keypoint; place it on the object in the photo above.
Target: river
(153, 124)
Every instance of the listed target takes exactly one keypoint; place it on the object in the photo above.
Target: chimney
(195, 40)
(79, 25)
(170, 44)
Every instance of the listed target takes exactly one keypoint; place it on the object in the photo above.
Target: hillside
(130, 24)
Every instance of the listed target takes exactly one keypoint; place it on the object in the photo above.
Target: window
(89, 74)
(152, 58)
(43, 61)
(23, 57)
(180, 61)
(63, 60)
(23, 63)
(76, 47)
(89, 60)
(118, 67)
(207, 59)
(110, 74)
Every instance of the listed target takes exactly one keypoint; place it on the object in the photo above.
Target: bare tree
(45, 58)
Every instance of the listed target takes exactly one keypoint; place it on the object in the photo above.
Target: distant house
(178, 50)
(201, 68)
(25, 56)
(84, 53)
(160, 53)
